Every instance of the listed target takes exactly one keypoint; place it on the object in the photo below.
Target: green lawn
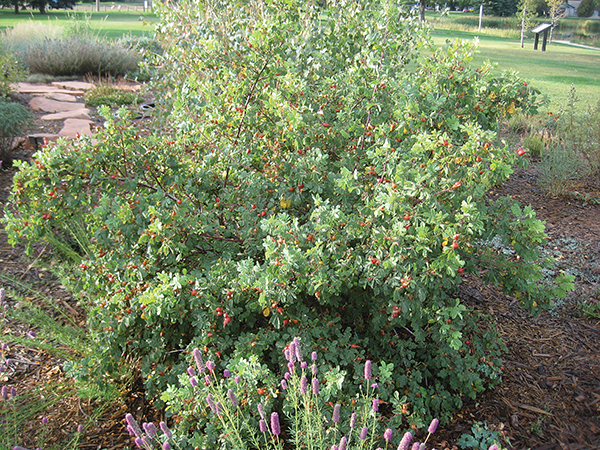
(552, 71)
(110, 22)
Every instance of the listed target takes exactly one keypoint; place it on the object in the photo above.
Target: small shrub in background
(535, 144)
(80, 56)
(111, 96)
(10, 72)
(574, 149)
(17, 39)
(13, 119)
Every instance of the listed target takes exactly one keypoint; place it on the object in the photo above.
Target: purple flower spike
(31, 334)
(314, 369)
(150, 429)
(262, 425)
(81, 429)
(18, 447)
(44, 420)
(219, 409)
(353, 420)
(315, 386)
(275, 424)
(165, 429)
(303, 384)
(226, 373)
(287, 376)
(233, 398)
(193, 382)
(364, 433)
(237, 380)
(423, 446)
(138, 441)
(211, 403)
(313, 356)
(133, 424)
(343, 443)
(303, 365)
(368, 370)
(387, 434)
(261, 411)
(375, 385)
(335, 447)
(416, 446)
(191, 372)
(433, 426)
(336, 413)
(198, 359)
(297, 349)
(207, 379)
(290, 367)
(493, 447)
(405, 442)
(288, 355)
(375, 405)
(284, 385)
(210, 365)
(166, 445)
(129, 430)
(4, 392)
(13, 392)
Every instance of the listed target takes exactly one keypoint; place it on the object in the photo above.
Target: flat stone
(75, 127)
(75, 114)
(51, 106)
(73, 85)
(61, 97)
(29, 88)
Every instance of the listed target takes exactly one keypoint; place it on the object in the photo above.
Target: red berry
(461, 270)
(194, 292)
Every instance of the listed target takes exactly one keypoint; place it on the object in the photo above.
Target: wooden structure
(542, 28)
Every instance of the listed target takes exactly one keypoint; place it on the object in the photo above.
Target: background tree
(556, 12)
(526, 12)
(502, 8)
(12, 3)
(586, 8)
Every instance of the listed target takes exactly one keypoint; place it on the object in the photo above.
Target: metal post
(480, 16)
(544, 40)
(535, 43)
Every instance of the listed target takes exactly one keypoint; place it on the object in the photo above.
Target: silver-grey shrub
(80, 56)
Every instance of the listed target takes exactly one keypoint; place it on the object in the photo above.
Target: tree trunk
(43, 8)
(523, 25)
(17, 8)
(421, 10)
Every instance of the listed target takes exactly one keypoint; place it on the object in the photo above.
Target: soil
(549, 397)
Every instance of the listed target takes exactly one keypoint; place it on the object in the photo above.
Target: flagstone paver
(52, 106)
(82, 113)
(76, 127)
(73, 85)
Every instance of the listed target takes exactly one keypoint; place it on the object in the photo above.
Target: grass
(552, 71)
(110, 23)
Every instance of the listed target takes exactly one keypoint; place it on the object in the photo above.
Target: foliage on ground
(311, 184)
(112, 96)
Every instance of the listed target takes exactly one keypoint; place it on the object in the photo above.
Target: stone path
(62, 101)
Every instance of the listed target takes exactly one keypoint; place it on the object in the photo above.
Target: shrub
(17, 39)
(574, 150)
(586, 8)
(13, 119)
(308, 182)
(10, 73)
(110, 96)
(535, 144)
(80, 56)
